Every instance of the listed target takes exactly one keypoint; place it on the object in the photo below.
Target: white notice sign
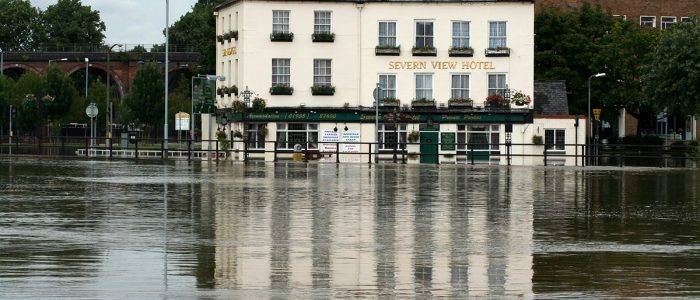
(329, 138)
(182, 121)
(350, 137)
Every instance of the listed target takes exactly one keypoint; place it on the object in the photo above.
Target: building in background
(317, 64)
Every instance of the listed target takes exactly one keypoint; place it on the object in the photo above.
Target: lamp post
(110, 113)
(167, 45)
(590, 120)
(87, 63)
(377, 99)
(246, 102)
(208, 78)
(2, 62)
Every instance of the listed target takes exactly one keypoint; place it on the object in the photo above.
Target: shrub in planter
(224, 143)
(238, 106)
(323, 90)
(258, 104)
(237, 134)
(391, 102)
(220, 91)
(282, 36)
(323, 37)
(281, 89)
(233, 90)
(413, 136)
(495, 100)
(537, 140)
(460, 102)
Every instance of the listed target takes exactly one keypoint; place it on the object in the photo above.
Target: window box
(498, 52)
(495, 100)
(460, 102)
(387, 50)
(281, 90)
(231, 35)
(324, 37)
(391, 102)
(423, 103)
(220, 38)
(281, 37)
(322, 90)
(233, 90)
(424, 51)
(461, 52)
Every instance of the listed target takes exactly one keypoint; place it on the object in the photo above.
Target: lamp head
(599, 75)
(87, 59)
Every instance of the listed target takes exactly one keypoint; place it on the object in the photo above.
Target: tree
(29, 110)
(20, 25)
(7, 86)
(197, 28)
(144, 104)
(673, 80)
(70, 22)
(61, 89)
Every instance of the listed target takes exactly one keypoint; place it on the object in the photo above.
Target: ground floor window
(389, 134)
(482, 136)
(290, 134)
(255, 135)
(554, 139)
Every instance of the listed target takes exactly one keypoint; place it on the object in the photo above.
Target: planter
(323, 37)
(220, 38)
(460, 103)
(387, 51)
(391, 102)
(424, 51)
(281, 37)
(461, 52)
(233, 90)
(281, 90)
(497, 52)
(423, 103)
(322, 90)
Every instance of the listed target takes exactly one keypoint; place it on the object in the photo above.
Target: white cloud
(133, 21)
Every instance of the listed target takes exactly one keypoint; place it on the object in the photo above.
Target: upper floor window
(497, 35)
(388, 84)
(322, 72)
(647, 21)
(460, 34)
(387, 33)
(322, 22)
(424, 86)
(666, 22)
(424, 34)
(280, 71)
(686, 20)
(497, 84)
(460, 86)
(280, 21)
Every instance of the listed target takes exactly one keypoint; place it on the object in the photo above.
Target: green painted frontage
(429, 147)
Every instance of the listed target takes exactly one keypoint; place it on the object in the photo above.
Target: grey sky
(133, 21)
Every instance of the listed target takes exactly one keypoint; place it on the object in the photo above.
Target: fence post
(189, 149)
(545, 155)
(111, 144)
(136, 147)
(63, 145)
(245, 150)
(337, 152)
(274, 151)
(508, 145)
(217, 150)
(403, 154)
(369, 154)
(471, 151)
(87, 149)
(162, 148)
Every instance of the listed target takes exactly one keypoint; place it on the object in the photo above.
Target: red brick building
(650, 13)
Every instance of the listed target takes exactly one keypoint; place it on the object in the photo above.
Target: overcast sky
(132, 21)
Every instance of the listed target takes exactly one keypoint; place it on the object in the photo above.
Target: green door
(428, 147)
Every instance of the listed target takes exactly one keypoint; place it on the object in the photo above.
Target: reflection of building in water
(450, 232)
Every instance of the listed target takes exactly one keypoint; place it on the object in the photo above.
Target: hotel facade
(319, 65)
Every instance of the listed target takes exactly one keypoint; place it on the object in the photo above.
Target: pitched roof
(551, 98)
(229, 2)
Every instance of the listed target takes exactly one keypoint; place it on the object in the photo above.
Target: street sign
(91, 110)
(375, 93)
(596, 113)
(182, 121)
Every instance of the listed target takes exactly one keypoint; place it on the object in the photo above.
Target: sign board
(92, 111)
(349, 137)
(596, 113)
(329, 137)
(447, 141)
(182, 121)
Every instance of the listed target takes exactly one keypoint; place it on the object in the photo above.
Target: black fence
(621, 155)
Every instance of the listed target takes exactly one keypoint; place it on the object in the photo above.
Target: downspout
(359, 4)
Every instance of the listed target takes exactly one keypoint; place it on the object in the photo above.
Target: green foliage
(20, 25)
(144, 105)
(60, 87)
(179, 100)
(224, 143)
(673, 79)
(70, 22)
(198, 28)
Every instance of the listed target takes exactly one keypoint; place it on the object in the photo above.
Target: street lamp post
(87, 63)
(110, 113)
(377, 100)
(2, 62)
(246, 102)
(590, 120)
(167, 45)
(208, 78)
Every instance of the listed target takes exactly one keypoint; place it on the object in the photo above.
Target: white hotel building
(317, 63)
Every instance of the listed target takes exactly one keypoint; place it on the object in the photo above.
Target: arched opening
(16, 71)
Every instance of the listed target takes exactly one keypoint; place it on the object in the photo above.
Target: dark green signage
(447, 141)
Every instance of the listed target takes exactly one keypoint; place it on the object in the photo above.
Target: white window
(388, 134)
(554, 139)
(290, 134)
(497, 35)
(255, 134)
(647, 21)
(322, 72)
(424, 34)
(388, 84)
(621, 17)
(460, 34)
(460, 86)
(480, 137)
(424, 86)
(280, 71)
(497, 84)
(685, 20)
(322, 22)
(387, 33)
(280, 21)
(666, 22)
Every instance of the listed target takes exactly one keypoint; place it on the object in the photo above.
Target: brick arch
(103, 67)
(26, 67)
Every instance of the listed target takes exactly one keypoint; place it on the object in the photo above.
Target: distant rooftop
(227, 3)
(551, 98)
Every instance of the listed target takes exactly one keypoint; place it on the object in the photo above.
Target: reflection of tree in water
(384, 230)
(459, 234)
(498, 216)
(423, 235)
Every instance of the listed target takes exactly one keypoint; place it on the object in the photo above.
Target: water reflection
(205, 230)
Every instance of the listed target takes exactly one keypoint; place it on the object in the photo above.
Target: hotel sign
(441, 65)
(367, 117)
(229, 51)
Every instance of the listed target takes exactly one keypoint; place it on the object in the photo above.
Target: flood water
(83, 229)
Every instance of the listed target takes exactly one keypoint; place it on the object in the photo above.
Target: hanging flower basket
(520, 99)
(258, 104)
(495, 100)
(238, 106)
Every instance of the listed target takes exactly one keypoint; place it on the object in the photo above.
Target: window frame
(285, 144)
(488, 82)
(425, 37)
(276, 19)
(623, 17)
(467, 37)
(556, 146)
(330, 22)
(465, 132)
(388, 93)
(275, 75)
(504, 37)
(641, 22)
(667, 25)
(328, 68)
(254, 136)
(387, 129)
(386, 36)
(460, 89)
(431, 89)
(685, 19)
